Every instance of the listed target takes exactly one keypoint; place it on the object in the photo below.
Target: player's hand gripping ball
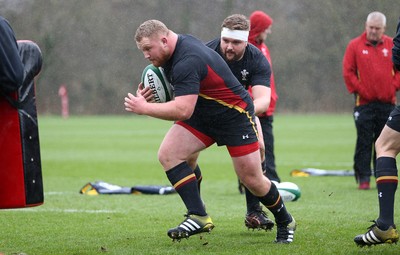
(155, 78)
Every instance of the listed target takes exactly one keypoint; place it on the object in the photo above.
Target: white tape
(241, 35)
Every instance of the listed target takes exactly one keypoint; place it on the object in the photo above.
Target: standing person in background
(252, 70)
(387, 148)
(11, 67)
(369, 75)
(261, 26)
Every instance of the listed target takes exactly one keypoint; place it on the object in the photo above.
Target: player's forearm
(261, 99)
(261, 106)
(166, 111)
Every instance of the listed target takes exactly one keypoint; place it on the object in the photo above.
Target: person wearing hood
(261, 26)
(252, 70)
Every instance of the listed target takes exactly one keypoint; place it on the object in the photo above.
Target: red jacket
(368, 70)
(260, 21)
(274, 96)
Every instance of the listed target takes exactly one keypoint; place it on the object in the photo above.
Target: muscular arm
(261, 98)
(181, 108)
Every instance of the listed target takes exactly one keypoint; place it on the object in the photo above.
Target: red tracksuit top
(368, 70)
(274, 96)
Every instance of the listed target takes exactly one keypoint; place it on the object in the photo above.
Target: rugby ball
(155, 78)
(289, 191)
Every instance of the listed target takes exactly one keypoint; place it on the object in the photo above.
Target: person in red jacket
(387, 148)
(369, 74)
(261, 26)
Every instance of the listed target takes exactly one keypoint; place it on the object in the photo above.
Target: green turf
(123, 151)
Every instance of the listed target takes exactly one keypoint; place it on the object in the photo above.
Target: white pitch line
(50, 193)
(336, 164)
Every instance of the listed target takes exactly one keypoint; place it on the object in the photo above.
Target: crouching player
(210, 106)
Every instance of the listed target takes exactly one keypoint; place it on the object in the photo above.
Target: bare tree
(89, 46)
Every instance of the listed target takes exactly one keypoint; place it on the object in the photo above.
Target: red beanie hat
(259, 21)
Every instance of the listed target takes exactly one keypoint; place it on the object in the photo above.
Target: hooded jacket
(259, 22)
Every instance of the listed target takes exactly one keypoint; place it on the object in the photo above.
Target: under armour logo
(365, 52)
(245, 136)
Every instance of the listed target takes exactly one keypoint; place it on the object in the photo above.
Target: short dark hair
(236, 22)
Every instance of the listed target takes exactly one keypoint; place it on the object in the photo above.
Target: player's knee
(384, 146)
(249, 181)
(192, 162)
(256, 186)
(163, 157)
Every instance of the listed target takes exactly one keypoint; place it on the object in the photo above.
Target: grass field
(123, 151)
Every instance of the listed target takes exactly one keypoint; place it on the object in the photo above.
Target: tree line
(88, 46)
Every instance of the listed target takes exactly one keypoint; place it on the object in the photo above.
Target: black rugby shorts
(394, 119)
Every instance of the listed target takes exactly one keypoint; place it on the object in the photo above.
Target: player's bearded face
(154, 50)
(160, 58)
(232, 49)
